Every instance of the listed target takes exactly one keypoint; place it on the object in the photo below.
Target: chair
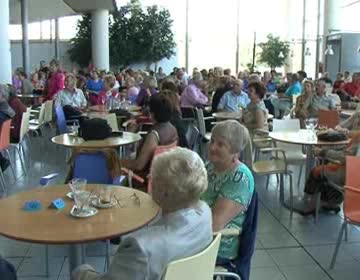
(24, 129)
(4, 146)
(204, 136)
(294, 153)
(48, 115)
(36, 124)
(276, 165)
(192, 137)
(60, 120)
(199, 266)
(330, 119)
(351, 206)
(247, 237)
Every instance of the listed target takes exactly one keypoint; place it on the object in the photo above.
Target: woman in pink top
(192, 96)
(56, 80)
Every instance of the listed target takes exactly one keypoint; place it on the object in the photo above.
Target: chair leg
(291, 195)
(2, 179)
(317, 206)
(346, 232)
(47, 260)
(107, 254)
(282, 198)
(18, 148)
(11, 163)
(267, 181)
(300, 173)
(338, 244)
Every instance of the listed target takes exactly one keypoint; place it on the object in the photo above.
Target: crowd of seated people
(210, 197)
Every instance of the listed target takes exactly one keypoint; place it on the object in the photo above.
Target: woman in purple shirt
(148, 88)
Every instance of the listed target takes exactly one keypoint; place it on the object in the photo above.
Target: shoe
(4, 164)
(308, 213)
(335, 209)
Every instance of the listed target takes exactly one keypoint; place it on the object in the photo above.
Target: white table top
(302, 137)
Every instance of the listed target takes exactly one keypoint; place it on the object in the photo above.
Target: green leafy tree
(274, 52)
(80, 50)
(137, 35)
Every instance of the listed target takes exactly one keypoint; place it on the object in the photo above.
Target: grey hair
(181, 175)
(4, 91)
(254, 78)
(234, 133)
(149, 82)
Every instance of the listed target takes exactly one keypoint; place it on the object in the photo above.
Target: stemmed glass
(103, 100)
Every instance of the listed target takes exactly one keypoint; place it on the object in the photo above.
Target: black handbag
(331, 136)
(94, 129)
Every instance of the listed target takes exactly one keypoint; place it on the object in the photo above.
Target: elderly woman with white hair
(231, 183)
(182, 230)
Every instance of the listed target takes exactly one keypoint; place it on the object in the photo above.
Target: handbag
(94, 129)
(332, 136)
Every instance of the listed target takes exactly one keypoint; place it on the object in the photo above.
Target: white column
(57, 39)
(5, 54)
(100, 39)
(25, 35)
(332, 16)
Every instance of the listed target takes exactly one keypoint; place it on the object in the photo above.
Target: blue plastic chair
(93, 168)
(60, 120)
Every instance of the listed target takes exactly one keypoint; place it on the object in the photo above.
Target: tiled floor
(292, 250)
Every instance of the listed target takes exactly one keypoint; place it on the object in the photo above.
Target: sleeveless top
(165, 133)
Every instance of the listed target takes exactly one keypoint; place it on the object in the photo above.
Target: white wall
(40, 50)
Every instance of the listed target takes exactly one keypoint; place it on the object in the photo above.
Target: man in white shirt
(234, 99)
(70, 95)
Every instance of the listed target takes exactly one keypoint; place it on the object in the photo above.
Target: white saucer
(95, 202)
(85, 213)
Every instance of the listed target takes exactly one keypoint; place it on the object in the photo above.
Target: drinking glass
(82, 200)
(311, 125)
(103, 100)
(77, 184)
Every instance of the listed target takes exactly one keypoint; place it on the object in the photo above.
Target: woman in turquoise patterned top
(231, 183)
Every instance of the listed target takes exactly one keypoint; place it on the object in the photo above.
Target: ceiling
(50, 9)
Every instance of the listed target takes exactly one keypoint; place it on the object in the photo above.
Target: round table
(69, 140)
(102, 108)
(50, 226)
(347, 113)
(308, 139)
(227, 115)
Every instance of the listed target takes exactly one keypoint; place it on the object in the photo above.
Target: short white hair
(234, 133)
(181, 175)
(254, 78)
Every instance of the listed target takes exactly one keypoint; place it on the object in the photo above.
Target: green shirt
(236, 185)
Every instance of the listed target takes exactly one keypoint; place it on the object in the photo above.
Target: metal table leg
(75, 256)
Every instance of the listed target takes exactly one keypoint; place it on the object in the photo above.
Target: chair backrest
(24, 128)
(158, 151)
(352, 198)
(110, 118)
(48, 114)
(42, 114)
(5, 134)
(200, 266)
(200, 121)
(192, 136)
(286, 125)
(330, 119)
(60, 120)
(92, 167)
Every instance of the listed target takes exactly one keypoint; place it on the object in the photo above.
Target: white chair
(48, 114)
(294, 153)
(204, 136)
(36, 124)
(110, 118)
(24, 129)
(200, 266)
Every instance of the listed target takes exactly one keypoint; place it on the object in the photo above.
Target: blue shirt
(294, 89)
(271, 86)
(94, 86)
(231, 101)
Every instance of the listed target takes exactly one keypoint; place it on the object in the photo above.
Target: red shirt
(352, 88)
(55, 84)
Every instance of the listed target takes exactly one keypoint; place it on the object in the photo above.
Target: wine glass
(311, 124)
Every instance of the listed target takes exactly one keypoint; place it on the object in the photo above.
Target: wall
(44, 50)
(39, 50)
